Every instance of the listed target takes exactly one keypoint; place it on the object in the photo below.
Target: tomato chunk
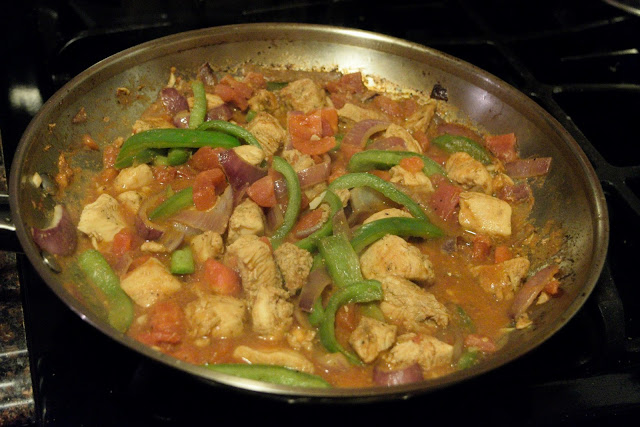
(263, 192)
(205, 188)
(221, 279)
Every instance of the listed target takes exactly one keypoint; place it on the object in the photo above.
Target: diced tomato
(313, 133)
(349, 83)
(481, 247)
(445, 200)
(206, 186)
(166, 322)
(164, 174)
(347, 317)
(338, 167)
(233, 91)
(480, 342)
(308, 223)
(409, 106)
(338, 99)
(221, 279)
(205, 158)
(502, 253)
(329, 117)
(255, 80)
(122, 242)
(412, 164)
(388, 106)
(502, 146)
(386, 175)
(262, 192)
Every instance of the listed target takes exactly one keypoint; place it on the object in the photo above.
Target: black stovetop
(577, 59)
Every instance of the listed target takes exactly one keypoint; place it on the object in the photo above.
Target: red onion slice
(527, 294)
(316, 282)
(59, 237)
(408, 375)
(145, 228)
(221, 112)
(173, 100)
(361, 131)
(313, 175)
(214, 219)
(527, 168)
(240, 173)
(172, 239)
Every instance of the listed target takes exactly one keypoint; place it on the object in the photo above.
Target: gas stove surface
(578, 59)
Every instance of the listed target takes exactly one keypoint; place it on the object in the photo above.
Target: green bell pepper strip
(199, 110)
(468, 358)
(360, 292)
(368, 233)
(465, 320)
(384, 159)
(138, 147)
(230, 129)
(456, 143)
(177, 156)
(341, 260)
(271, 374)
(387, 189)
(310, 242)
(99, 272)
(317, 314)
(182, 261)
(293, 205)
(180, 200)
(273, 86)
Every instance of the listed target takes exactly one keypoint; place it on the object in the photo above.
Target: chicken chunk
(388, 213)
(287, 358)
(207, 245)
(263, 100)
(213, 101)
(149, 283)
(372, 337)
(502, 279)
(101, 220)
(271, 313)
(268, 132)
(131, 200)
(419, 121)
(357, 114)
(215, 316)
(469, 173)
(250, 154)
(300, 338)
(407, 304)
(149, 123)
(133, 178)
(298, 160)
(257, 266)
(392, 255)
(484, 214)
(429, 352)
(247, 218)
(416, 181)
(303, 95)
(400, 132)
(295, 265)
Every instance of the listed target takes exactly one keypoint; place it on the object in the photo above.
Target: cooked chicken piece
(484, 214)
(469, 173)
(417, 181)
(149, 123)
(399, 131)
(149, 283)
(303, 95)
(357, 114)
(213, 101)
(408, 304)
(372, 337)
(131, 200)
(295, 265)
(271, 313)
(207, 245)
(419, 121)
(388, 213)
(215, 316)
(263, 100)
(287, 358)
(501, 180)
(153, 247)
(257, 266)
(300, 338)
(133, 178)
(247, 218)
(268, 132)
(392, 255)
(101, 220)
(502, 279)
(250, 154)
(425, 350)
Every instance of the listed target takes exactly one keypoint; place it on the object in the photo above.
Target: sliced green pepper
(177, 156)
(182, 261)
(272, 86)
(139, 146)
(359, 292)
(335, 204)
(199, 110)
(384, 159)
(387, 189)
(465, 320)
(271, 374)
(99, 272)
(341, 260)
(295, 200)
(231, 129)
(182, 199)
(251, 114)
(368, 233)
(456, 143)
(468, 358)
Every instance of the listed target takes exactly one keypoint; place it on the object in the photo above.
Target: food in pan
(305, 228)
